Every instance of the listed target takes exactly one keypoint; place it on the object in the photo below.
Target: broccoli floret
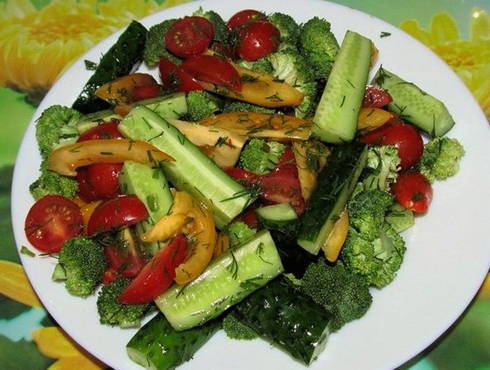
(262, 65)
(239, 233)
(381, 171)
(288, 28)
(319, 46)
(291, 67)
(341, 292)
(400, 218)
(260, 156)
(235, 329)
(241, 106)
(367, 211)
(441, 158)
(50, 182)
(221, 31)
(155, 44)
(201, 104)
(56, 127)
(111, 312)
(83, 262)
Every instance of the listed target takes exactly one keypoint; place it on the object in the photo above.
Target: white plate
(448, 251)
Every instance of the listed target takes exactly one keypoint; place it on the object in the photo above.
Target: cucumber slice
(151, 187)
(159, 346)
(335, 185)
(415, 105)
(226, 281)
(336, 115)
(280, 313)
(281, 217)
(192, 170)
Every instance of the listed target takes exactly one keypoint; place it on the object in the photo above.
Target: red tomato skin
(214, 70)
(174, 78)
(247, 178)
(122, 263)
(257, 39)
(157, 275)
(189, 36)
(413, 191)
(146, 92)
(51, 221)
(85, 189)
(243, 17)
(117, 212)
(404, 136)
(104, 179)
(376, 97)
(106, 130)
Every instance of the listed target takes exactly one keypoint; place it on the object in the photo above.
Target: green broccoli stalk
(155, 44)
(381, 171)
(50, 182)
(239, 233)
(241, 106)
(235, 329)
(341, 292)
(319, 46)
(288, 29)
(56, 127)
(201, 104)
(400, 218)
(221, 31)
(260, 156)
(82, 263)
(111, 312)
(441, 158)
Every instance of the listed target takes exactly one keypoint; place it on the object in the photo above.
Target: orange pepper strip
(336, 238)
(120, 91)
(222, 245)
(67, 159)
(372, 118)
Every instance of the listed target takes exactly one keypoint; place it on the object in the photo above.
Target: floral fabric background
(39, 39)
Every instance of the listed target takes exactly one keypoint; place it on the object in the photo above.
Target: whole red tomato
(257, 39)
(413, 191)
(243, 17)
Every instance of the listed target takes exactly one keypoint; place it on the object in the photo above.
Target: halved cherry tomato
(376, 97)
(106, 130)
(51, 221)
(413, 191)
(257, 39)
(157, 275)
(114, 213)
(174, 78)
(212, 69)
(404, 136)
(146, 92)
(245, 177)
(85, 189)
(189, 36)
(104, 179)
(244, 16)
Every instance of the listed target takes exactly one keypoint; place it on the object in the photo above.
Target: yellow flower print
(15, 285)
(469, 58)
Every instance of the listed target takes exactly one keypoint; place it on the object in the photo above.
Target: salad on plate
(260, 184)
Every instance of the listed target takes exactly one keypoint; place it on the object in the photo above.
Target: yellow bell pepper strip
(222, 245)
(311, 157)
(120, 91)
(86, 209)
(202, 234)
(336, 238)
(263, 125)
(65, 160)
(371, 118)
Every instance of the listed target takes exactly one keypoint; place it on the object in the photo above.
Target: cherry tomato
(212, 69)
(115, 213)
(157, 275)
(413, 191)
(122, 263)
(104, 178)
(249, 217)
(376, 97)
(244, 16)
(85, 190)
(174, 78)
(189, 36)
(146, 92)
(245, 177)
(257, 39)
(51, 221)
(404, 136)
(106, 130)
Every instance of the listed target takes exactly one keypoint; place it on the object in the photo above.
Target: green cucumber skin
(335, 185)
(225, 282)
(118, 61)
(158, 346)
(192, 170)
(415, 105)
(281, 314)
(335, 119)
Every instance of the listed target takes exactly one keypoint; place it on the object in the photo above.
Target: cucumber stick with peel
(191, 169)
(335, 119)
(415, 105)
(226, 281)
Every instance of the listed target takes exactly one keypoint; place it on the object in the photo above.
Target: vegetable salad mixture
(260, 185)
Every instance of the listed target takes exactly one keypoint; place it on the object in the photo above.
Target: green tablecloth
(40, 38)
